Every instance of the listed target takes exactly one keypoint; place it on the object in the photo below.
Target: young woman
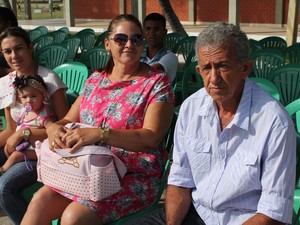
(18, 52)
(130, 105)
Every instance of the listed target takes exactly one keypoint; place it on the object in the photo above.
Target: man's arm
(261, 219)
(178, 202)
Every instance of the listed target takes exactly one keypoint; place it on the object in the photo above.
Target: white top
(247, 168)
(52, 81)
(167, 59)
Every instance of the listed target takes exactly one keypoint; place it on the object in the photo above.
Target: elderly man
(234, 145)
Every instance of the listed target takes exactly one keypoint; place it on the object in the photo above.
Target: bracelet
(105, 133)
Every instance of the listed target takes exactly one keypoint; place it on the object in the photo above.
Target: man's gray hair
(219, 34)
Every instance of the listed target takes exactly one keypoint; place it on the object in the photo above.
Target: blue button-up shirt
(244, 169)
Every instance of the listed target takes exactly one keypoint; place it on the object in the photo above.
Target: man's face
(154, 33)
(222, 73)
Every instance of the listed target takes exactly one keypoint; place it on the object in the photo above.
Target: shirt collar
(241, 118)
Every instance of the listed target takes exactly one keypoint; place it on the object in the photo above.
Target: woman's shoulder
(46, 73)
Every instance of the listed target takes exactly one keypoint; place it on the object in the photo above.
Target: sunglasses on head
(121, 39)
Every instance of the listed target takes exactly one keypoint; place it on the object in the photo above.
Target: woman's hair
(8, 18)
(15, 32)
(34, 81)
(220, 34)
(112, 25)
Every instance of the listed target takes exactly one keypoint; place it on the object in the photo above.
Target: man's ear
(247, 67)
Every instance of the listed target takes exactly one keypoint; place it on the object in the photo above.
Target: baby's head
(32, 91)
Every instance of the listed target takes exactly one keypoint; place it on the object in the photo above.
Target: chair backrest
(3, 120)
(42, 41)
(95, 58)
(185, 46)
(72, 43)
(64, 29)
(274, 42)
(100, 39)
(51, 55)
(267, 86)
(87, 39)
(172, 39)
(287, 81)
(192, 57)
(73, 74)
(34, 34)
(294, 111)
(191, 80)
(292, 53)
(71, 96)
(254, 45)
(43, 29)
(266, 60)
(58, 36)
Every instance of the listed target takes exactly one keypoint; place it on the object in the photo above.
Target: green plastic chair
(58, 36)
(43, 29)
(254, 45)
(71, 97)
(190, 83)
(294, 111)
(2, 115)
(73, 74)
(95, 58)
(42, 41)
(292, 53)
(64, 29)
(172, 39)
(72, 43)
(274, 42)
(87, 39)
(100, 39)
(266, 60)
(287, 81)
(185, 46)
(51, 55)
(34, 34)
(267, 86)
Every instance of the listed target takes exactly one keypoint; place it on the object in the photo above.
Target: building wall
(254, 11)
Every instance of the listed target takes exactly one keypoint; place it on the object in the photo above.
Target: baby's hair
(34, 81)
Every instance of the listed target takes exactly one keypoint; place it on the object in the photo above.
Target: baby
(31, 92)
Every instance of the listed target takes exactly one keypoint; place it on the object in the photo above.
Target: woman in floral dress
(131, 106)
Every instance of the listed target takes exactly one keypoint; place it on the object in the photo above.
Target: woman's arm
(158, 118)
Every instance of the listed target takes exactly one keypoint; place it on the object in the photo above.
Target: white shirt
(247, 168)
(167, 59)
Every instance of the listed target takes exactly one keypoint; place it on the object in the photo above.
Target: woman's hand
(12, 142)
(79, 137)
(55, 134)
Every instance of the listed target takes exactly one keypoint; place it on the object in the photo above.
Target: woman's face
(17, 53)
(129, 51)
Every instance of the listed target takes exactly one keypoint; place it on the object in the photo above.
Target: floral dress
(122, 105)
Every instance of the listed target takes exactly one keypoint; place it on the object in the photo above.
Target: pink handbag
(92, 172)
